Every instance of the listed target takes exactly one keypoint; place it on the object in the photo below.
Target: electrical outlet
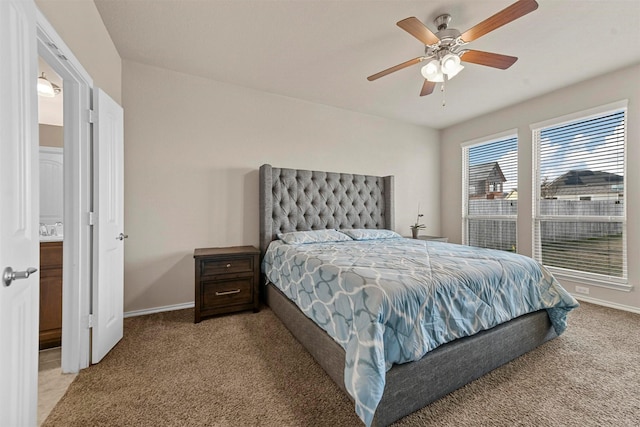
(582, 290)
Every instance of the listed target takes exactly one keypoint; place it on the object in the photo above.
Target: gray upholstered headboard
(301, 200)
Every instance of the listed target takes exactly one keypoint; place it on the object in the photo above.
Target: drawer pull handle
(228, 265)
(235, 291)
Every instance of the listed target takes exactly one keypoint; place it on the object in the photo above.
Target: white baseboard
(607, 303)
(159, 309)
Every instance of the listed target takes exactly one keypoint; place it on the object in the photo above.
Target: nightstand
(435, 238)
(227, 280)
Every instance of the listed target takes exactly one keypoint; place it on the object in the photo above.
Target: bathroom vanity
(50, 292)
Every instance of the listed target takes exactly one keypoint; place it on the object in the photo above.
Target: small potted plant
(415, 228)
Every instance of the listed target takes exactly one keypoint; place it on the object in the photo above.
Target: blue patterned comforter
(392, 300)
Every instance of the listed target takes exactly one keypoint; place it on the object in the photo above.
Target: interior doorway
(52, 383)
(93, 250)
(51, 168)
(77, 189)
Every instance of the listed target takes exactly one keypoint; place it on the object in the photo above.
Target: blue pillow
(370, 234)
(313, 236)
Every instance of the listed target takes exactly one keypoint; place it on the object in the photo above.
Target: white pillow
(313, 236)
(370, 234)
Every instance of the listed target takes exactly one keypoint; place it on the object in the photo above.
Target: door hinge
(91, 218)
(91, 116)
(90, 321)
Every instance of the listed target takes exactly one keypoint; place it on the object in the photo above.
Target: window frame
(465, 146)
(595, 279)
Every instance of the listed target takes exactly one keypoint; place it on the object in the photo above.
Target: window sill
(615, 284)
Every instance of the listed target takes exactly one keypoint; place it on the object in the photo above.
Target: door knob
(122, 236)
(9, 275)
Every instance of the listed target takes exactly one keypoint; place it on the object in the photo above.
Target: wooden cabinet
(435, 238)
(226, 280)
(50, 294)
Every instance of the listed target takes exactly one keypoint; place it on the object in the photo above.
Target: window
(578, 208)
(490, 193)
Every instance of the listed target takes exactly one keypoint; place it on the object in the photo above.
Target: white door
(19, 234)
(108, 286)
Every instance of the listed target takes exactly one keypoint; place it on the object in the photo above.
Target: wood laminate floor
(52, 383)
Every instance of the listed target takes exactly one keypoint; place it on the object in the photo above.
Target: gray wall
(192, 152)
(51, 136)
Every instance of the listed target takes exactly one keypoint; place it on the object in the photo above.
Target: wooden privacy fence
(499, 234)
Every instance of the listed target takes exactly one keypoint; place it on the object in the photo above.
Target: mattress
(390, 301)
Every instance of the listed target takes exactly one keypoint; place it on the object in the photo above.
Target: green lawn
(601, 255)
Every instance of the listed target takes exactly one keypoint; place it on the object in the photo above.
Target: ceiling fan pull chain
(444, 101)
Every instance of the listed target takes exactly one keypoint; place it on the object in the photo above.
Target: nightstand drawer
(226, 292)
(212, 267)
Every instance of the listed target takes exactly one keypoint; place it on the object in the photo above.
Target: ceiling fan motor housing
(449, 42)
(448, 38)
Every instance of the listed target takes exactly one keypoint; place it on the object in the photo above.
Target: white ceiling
(322, 51)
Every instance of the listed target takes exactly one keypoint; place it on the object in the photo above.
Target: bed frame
(299, 200)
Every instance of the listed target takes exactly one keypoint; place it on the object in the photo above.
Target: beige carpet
(247, 370)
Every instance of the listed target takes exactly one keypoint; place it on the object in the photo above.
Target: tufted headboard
(301, 200)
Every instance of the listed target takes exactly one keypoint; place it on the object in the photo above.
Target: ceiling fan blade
(395, 68)
(418, 30)
(427, 88)
(511, 13)
(489, 59)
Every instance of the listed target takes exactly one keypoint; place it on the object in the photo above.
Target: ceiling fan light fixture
(432, 71)
(451, 65)
(46, 88)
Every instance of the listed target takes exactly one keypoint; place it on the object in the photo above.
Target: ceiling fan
(445, 48)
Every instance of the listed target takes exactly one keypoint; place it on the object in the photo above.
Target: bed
(293, 200)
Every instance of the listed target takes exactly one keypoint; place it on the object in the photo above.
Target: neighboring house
(585, 185)
(485, 181)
